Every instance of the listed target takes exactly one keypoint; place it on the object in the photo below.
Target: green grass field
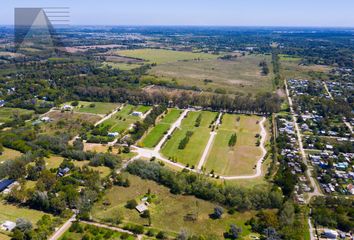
(240, 75)
(122, 66)
(103, 171)
(96, 108)
(240, 159)
(122, 120)
(168, 211)
(195, 147)
(161, 56)
(157, 133)
(9, 154)
(290, 68)
(6, 114)
(12, 212)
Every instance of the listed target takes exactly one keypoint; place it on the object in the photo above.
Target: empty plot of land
(6, 114)
(68, 122)
(9, 154)
(157, 133)
(242, 74)
(122, 66)
(193, 150)
(240, 159)
(161, 56)
(124, 119)
(95, 107)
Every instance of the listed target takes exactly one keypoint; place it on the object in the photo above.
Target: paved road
(175, 125)
(209, 144)
(316, 190)
(63, 228)
(260, 160)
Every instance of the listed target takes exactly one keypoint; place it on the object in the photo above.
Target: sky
(318, 13)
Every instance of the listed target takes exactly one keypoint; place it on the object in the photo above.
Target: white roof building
(8, 226)
(141, 208)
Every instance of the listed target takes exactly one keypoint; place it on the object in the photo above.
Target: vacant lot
(9, 154)
(95, 107)
(123, 120)
(12, 212)
(103, 171)
(122, 66)
(161, 56)
(193, 151)
(94, 232)
(157, 133)
(240, 159)
(7, 114)
(168, 211)
(68, 122)
(240, 75)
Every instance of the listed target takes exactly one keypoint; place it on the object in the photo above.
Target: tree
(233, 140)
(287, 213)
(234, 232)
(1, 149)
(23, 225)
(218, 212)
(131, 204)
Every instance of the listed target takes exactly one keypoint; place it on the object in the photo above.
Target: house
(141, 208)
(67, 107)
(45, 119)
(113, 134)
(63, 171)
(331, 234)
(137, 114)
(8, 226)
(2, 103)
(5, 184)
(350, 188)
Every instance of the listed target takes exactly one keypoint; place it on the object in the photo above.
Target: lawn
(100, 148)
(68, 122)
(161, 56)
(4, 237)
(168, 211)
(193, 151)
(9, 154)
(7, 114)
(123, 120)
(239, 75)
(240, 159)
(157, 133)
(12, 212)
(95, 107)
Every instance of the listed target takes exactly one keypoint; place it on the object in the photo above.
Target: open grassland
(121, 66)
(9, 154)
(168, 211)
(193, 151)
(10, 212)
(95, 107)
(291, 68)
(160, 56)
(68, 122)
(157, 133)
(4, 236)
(123, 120)
(239, 75)
(240, 159)
(100, 148)
(7, 114)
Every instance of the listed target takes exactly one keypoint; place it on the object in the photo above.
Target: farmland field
(6, 114)
(95, 107)
(168, 211)
(193, 151)
(161, 56)
(242, 74)
(240, 159)
(157, 133)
